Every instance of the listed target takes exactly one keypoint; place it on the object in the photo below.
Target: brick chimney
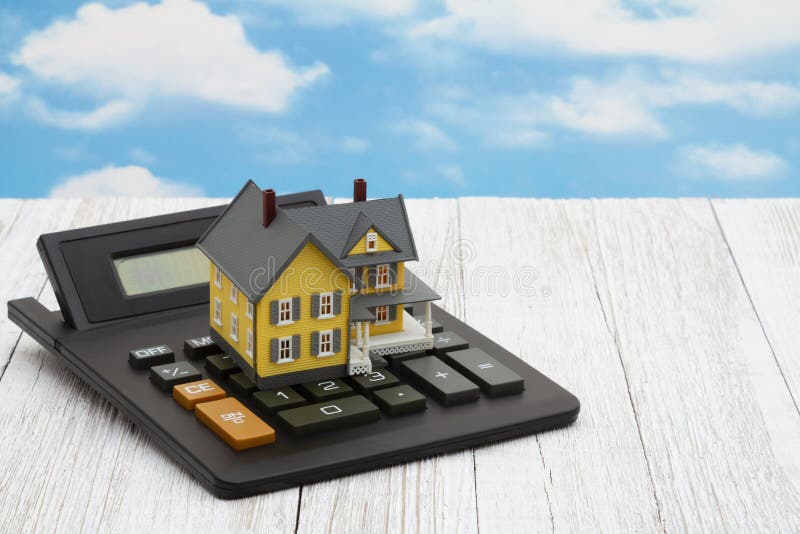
(269, 206)
(359, 190)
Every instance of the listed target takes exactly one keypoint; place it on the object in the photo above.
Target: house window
(372, 241)
(249, 310)
(326, 343)
(285, 349)
(382, 275)
(217, 277)
(234, 327)
(325, 305)
(250, 342)
(284, 311)
(382, 314)
(218, 311)
(353, 286)
(234, 294)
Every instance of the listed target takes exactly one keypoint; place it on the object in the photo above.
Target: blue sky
(454, 98)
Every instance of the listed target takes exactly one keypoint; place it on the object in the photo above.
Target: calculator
(151, 356)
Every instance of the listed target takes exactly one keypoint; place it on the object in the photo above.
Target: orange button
(234, 423)
(193, 393)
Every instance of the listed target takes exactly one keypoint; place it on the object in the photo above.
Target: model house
(312, 293)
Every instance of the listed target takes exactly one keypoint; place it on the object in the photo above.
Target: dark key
(221, 365)
(443, 382)
(172, 374)
(273, 400)
(494, 378)
(447, 341)
(150, 356)
(242, 385)
(400, 400)
(200, 347)
(395, 359)
(335, 413)
(379, 378)
(436, 326)
(326, 389)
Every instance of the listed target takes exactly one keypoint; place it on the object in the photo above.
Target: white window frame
(379, 274)
(353, 286)
(289, 311)
(217, 311)
(323, 297)
(327, 335)
(249, 311)
(217, 277)
(250, 342)
(285, 344)
(234, 327)
(371, 242)
(378, 313)
(234, 294)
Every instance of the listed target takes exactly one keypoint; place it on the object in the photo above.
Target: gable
(361, 245)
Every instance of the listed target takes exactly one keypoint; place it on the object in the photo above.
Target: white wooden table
(676, 323)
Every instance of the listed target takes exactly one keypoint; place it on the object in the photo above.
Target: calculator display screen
(163, 270)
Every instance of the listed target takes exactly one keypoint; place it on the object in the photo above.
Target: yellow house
(312, 293)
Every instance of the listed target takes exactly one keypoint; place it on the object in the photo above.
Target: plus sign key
(165, 377)
(441, 381)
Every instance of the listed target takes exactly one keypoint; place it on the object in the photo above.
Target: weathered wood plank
(433, 495)
(696, 362)
(72, 463)
(764, 238)
(529, 286)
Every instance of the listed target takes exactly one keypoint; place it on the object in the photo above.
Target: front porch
(413, 337)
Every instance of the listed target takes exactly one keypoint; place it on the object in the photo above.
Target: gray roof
(252, 256)
(340, 226)
(415, 290)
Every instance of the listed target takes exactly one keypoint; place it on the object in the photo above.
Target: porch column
(428, 322)
(358, 333)
(365, 348)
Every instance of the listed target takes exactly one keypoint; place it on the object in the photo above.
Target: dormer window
(372, 241)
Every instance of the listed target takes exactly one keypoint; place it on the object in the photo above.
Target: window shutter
(371, 277)
(296, 309)
(273, 312)
(315, 305)
(337, 339)
(315, 343)
(392, 313)
(295, 346)
(337, 302)
(273, 350)
(360, 277)
(393, 273)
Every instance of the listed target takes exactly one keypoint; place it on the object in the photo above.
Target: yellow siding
(361, 246)
(310, 272)
(228, 307)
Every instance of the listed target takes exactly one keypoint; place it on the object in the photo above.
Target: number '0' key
(330, 414)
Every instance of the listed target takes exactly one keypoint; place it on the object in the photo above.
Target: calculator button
(446, 341)
(330, 414)
(326, 389)
(235, 424)
(193, 393)
(395, 359)
(400, 400)
(272, 400)
(494, 378)
(443, 382)
(200, 347)
(436, 326)
(149, 356)
(380, 378)
(221, 365)
(241, 384)
(171, 374)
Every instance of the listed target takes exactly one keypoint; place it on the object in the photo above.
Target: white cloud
(278, 146)
(133, 181)
(8, 86)
(177, 48)
(355, 144)
(107, 114)
(426, 136)
(732, 162)
(140, 155)
(334, 12)
(693, 30)
(453, 174)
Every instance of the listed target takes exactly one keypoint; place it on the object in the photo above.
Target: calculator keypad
(494, 378)
(191, 394)
(400, 400)
(171, 374)
(273, 400)
(326, 389)
(145, 357)
(221, 365)
(377, 379)
(330, 414)
(199, 347)
(441, 381)
(235, 424)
